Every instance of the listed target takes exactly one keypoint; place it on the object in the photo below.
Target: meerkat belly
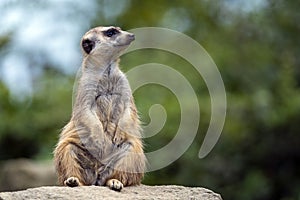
(110, 109)
(112, 100)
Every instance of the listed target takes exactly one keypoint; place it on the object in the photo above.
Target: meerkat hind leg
(115, 184)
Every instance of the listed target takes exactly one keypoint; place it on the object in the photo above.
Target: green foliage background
(257, 53)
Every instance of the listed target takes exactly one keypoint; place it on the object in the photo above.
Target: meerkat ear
(88, 45)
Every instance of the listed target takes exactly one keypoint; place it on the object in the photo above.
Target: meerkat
(102, 145)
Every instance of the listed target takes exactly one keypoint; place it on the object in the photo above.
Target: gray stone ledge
(96, 192)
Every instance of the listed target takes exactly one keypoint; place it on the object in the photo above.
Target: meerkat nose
(131, 36)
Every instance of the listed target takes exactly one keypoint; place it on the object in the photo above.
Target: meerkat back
(101, 145)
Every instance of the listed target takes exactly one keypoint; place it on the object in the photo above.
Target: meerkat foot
(72, 182)
(115, 184)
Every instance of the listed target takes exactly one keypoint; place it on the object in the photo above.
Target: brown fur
(101, 145)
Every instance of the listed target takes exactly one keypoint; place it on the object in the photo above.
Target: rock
(21, 174)
(97, 192)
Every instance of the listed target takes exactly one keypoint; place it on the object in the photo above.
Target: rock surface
(96, 192)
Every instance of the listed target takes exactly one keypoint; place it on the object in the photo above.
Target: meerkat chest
(113, 97)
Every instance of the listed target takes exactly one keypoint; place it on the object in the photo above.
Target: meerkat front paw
(115, 184)
(72, 182)
(119, 138)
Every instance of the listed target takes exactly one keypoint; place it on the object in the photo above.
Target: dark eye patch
(88, 45)
(111, 32)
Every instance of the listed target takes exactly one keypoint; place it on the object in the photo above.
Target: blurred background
(255, 44)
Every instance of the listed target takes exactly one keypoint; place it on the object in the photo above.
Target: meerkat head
(105, 42)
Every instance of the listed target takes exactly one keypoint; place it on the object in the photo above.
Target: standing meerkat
(101, 145)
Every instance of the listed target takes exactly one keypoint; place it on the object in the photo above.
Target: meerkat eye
(88, 45)
(111, 32)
